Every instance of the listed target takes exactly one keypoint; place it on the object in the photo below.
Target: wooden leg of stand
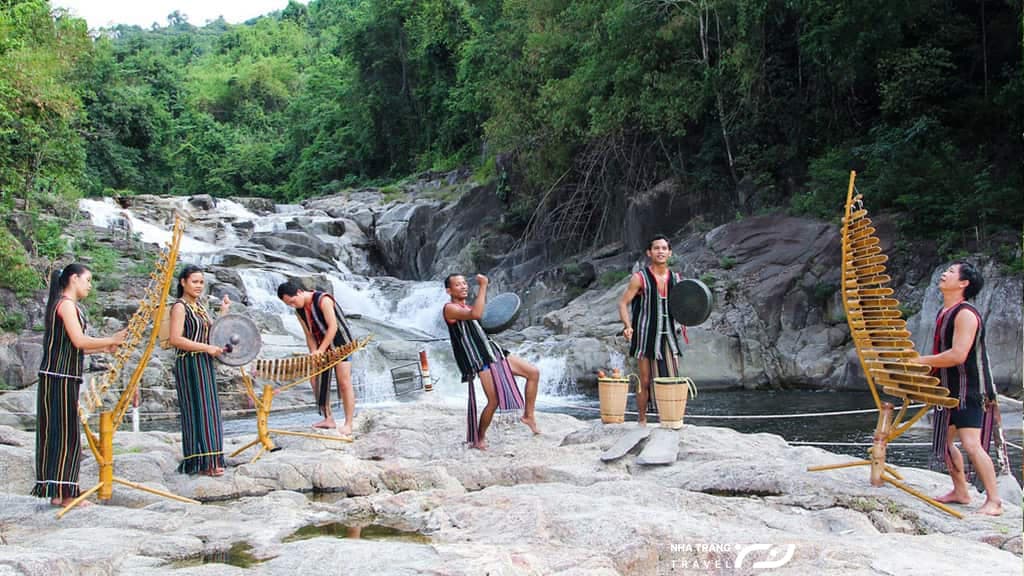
(78, 500)
(155, 491)
(880, 442)
(258, 454)
(920, 496)
(311, 435)
(838, 466)
(244, 448)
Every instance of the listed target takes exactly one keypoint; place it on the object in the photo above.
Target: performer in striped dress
(58, 441)
(960, 359)
(476, 355)
(323, 324)
(202, 438)
(648, 327)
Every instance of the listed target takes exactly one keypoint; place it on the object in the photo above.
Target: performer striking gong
(648, 326)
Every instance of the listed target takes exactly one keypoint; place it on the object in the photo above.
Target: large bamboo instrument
(294, 370)
(99, 391)
(883, 345)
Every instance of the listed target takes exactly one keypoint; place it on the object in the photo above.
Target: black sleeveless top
(60, 357)
(312, 317)
(469, 345)
(971, 381)
(647, 306)
(197, 324)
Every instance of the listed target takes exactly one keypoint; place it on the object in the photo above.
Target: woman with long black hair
(58, 439)
(202, 437)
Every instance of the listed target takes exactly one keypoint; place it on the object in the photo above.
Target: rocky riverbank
(530, 505)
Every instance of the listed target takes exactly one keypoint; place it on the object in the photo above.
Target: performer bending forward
(202, 437)
(648, 326)
(58, 441)
(476, 355)
(323, 323)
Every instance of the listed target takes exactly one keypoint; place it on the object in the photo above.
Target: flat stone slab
(625, 444)
(662, 448)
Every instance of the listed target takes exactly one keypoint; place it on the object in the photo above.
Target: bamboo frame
(883, 346)
(102, 446)
(301, 369)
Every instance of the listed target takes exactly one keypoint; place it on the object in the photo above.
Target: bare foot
(63, 502)
(954, 497)
(213, 472)
(531, 423)
(325, 423)
(991, 508)
(345, 429)
(479, 445)
(641, 422)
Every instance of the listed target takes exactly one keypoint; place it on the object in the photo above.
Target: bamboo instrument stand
(102, 446)
(883, 346)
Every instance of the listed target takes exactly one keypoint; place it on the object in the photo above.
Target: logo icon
(786, 553)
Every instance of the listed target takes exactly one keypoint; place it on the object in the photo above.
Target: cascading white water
(421, 309)
(104, 212)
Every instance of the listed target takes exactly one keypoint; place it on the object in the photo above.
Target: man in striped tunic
(477, 356)
(323, 323)
(960, 359)
(647, 325)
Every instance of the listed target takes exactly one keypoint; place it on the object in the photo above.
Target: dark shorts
(970, 415)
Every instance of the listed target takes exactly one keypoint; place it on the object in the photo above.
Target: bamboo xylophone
(882, 340)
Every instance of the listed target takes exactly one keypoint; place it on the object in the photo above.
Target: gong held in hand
(238, 336)
(501, 312)
(690, 302)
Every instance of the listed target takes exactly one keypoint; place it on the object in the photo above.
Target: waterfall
(106, 211)
(421, 309)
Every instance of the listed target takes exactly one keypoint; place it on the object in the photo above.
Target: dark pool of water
(368, 532)
(239, 555)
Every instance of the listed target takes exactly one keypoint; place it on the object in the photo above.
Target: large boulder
(19, 358)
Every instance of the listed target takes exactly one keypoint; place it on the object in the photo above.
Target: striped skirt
(202, 438)
(58, 439)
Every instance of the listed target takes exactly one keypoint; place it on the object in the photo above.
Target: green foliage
(48, 241)
(102, 260)
(392, 192)
(585, 102)
(611, 278)
(727, 262)
(709, 279)
(11, 321)
(15, 272)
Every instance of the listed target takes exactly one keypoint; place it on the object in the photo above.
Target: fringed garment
(970, 382)
(58, 437)
(202, 437)
(313, 318)
(654, 331)
(474, 353)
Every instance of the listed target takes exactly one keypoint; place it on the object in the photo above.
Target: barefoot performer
(477, 356)
(202, 435)
(960, 359)
(648, 326)
(58, 440)
(323, 323)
